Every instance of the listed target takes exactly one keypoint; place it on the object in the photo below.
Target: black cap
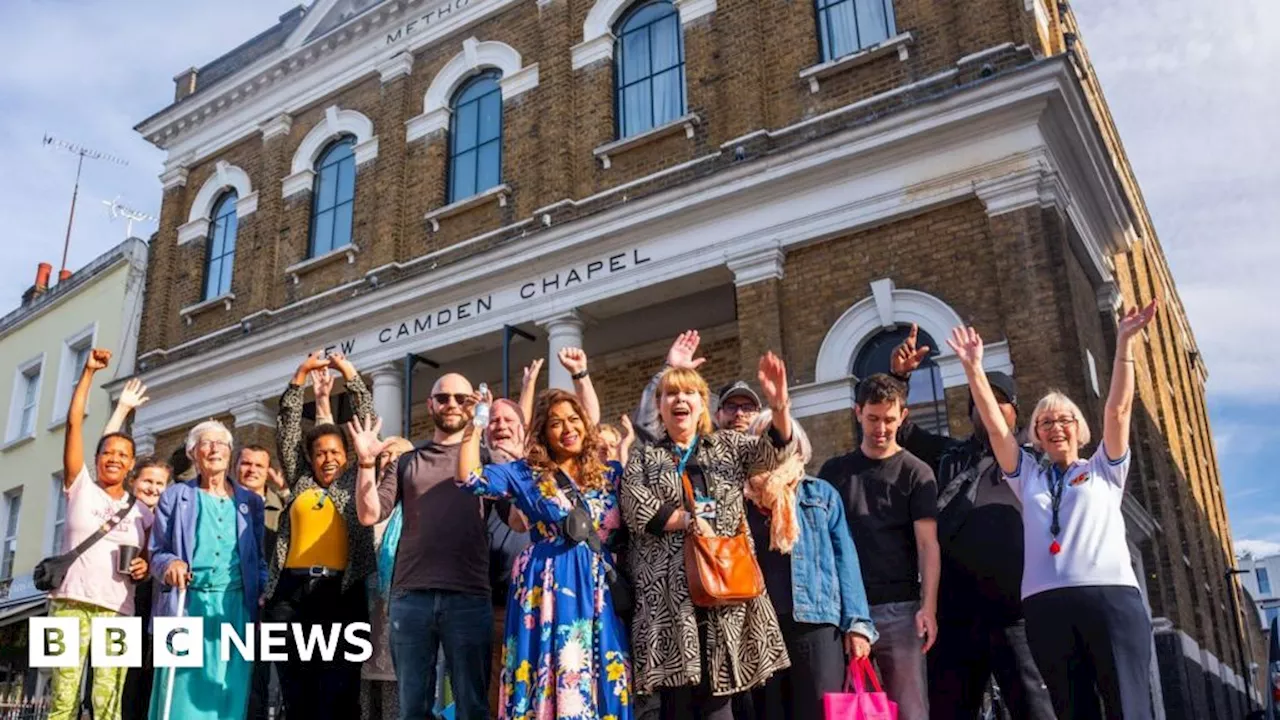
(738, 389)
(1004, 385)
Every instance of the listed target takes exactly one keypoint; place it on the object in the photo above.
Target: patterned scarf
(775, 493)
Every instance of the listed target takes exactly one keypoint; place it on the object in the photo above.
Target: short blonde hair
(208, 427)
(1053, 402)
(684, 380)
(760, 426)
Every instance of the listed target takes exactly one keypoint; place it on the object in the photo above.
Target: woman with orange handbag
(700, 636)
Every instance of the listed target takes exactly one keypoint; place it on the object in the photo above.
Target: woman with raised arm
(208, 540)
(323, 555)
(565, 654)
(93, 586)
(697, 658)
(1087, 624)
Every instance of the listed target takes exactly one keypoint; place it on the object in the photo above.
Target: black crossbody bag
(579, 527)
(51, 571)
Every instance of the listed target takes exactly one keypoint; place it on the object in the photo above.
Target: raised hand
(531, 372)
(314, 361)
(683, 349)
(772, 375)
(573, 359)
(322, 381)
(907, 357)
(628, 430)
(1136, 319)
(967, 345)
(275, 478)
(364, 438)
(97, 360)
(339, 362)
(134, 394)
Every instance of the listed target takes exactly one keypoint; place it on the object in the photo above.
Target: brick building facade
(796, 176)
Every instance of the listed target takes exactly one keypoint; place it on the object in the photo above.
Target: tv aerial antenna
(81, 152)
(131, 216)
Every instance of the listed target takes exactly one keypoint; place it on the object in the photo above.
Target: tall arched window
(926, 398)
(847, 26)
(333, 197)
(649, 68)
(220, 252)
(475, 137)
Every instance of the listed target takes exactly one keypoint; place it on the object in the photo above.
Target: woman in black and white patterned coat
(696, 659)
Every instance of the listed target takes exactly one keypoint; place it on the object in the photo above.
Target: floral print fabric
(565, 654)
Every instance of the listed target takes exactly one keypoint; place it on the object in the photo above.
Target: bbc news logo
(179, 642)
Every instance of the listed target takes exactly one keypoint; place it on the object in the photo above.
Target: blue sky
(1190, 83)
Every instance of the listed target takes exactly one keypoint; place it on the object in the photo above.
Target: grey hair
(760, 426)
(208, 427)
(1055, 401)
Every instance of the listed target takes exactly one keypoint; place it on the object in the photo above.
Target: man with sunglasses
(981, 631)
(440, 597)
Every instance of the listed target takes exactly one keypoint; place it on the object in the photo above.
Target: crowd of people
(945, 561)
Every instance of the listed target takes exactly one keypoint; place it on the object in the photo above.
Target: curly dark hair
(592, 470)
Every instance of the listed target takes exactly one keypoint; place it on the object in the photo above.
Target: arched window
(220, 255)
(649, 68)
(333, 197)
(847, 26)
(475, 137)
(926, 398)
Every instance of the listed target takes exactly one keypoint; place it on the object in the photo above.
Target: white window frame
(68, 374)
(14, 433)
(56, 525)
(9, 539)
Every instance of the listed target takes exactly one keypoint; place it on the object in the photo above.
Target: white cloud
(1257, 548)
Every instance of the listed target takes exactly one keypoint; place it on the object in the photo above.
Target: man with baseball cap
(981, 631)
(737, 406)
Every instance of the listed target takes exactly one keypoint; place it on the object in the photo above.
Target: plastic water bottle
(481, 419)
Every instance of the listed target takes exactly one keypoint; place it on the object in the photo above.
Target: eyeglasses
(459, 399)
(1062, 422)
(211, 444)
(737, 409)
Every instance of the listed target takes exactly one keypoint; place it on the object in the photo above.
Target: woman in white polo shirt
(1087, 624)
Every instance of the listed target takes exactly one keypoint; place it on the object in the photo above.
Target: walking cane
(173, 669)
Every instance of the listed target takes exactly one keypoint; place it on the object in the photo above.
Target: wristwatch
(579, 375)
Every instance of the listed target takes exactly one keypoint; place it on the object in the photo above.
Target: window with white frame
(9, 545)
(847, 26)
(25, 402)
(75, 353)
(58, 523)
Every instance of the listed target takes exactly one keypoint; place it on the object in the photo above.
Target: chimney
(184, 84)
(42, 284)
(64, 275)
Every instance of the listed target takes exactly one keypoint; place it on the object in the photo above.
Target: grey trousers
(900, 658)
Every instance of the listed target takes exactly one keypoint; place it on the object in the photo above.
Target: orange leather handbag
(721, 570)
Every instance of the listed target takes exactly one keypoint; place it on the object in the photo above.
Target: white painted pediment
(325, 16)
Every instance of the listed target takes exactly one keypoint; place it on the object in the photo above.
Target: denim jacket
(826, 578)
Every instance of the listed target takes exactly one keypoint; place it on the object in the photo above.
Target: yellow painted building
(43, 346)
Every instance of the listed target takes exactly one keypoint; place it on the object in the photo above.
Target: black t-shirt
(775, 566)
(883, 499)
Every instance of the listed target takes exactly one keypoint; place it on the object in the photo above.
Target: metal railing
(30, 710)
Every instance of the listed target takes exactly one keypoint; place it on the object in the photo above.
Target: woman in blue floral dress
(565, 655)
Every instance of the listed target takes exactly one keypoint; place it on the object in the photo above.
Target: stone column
(255, 424)
(757, 277)
(388, 397)
(563, 330)
(144, 442)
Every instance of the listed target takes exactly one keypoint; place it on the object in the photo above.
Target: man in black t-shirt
(981, 629)
(891, 502)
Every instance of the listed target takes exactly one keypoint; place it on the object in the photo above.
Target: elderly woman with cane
(206, 551)
(1087, 624)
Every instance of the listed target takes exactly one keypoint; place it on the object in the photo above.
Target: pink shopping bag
(861, 704)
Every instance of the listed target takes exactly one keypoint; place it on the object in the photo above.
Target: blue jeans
(423, 622)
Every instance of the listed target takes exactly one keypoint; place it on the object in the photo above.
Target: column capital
(569, 319)
(396, 66)
(253, 412)
(757, 264)
(1109, 300)
(144, 441)
(387, 372)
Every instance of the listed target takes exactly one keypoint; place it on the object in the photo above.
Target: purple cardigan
(173, 537)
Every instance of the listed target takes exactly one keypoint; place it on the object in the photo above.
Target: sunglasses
(459, 399)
